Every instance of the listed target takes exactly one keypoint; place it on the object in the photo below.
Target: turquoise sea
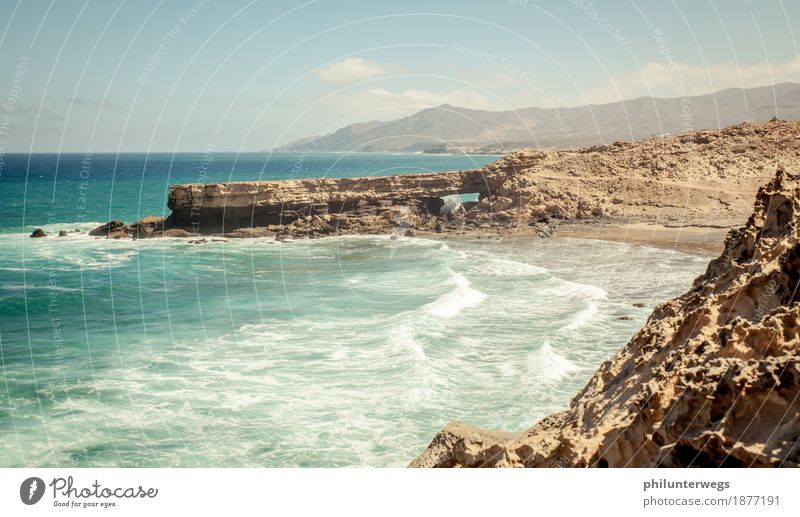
(347, 351)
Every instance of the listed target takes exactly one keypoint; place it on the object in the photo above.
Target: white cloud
(352, 70)
(677, 79)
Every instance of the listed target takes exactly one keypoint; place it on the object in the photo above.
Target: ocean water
(67, 188)
(344, 351)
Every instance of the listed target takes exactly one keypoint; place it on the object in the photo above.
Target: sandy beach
(700, 240)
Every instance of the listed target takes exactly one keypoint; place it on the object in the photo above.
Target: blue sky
(189, 75)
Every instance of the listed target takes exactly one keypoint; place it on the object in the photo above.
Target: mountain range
(449, 128)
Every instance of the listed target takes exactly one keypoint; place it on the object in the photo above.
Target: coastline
(675, 394)
(698, 240)
(535, 195)
(679, 192)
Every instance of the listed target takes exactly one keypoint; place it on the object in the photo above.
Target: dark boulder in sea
(112, 230)
(62, 233)
(712, 379)
(147, 227)
(38, 233)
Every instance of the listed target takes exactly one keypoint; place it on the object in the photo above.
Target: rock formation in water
(713, 378)
(316, 207)
(703, 178)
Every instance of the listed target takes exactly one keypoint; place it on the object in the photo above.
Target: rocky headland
(698, 183)
(712, 379)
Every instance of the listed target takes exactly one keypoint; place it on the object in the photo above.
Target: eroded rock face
(704, 178)
(713, 378)
(319, 206)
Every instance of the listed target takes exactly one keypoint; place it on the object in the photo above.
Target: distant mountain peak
(473, 130)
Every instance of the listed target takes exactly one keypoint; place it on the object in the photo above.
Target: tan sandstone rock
(700, 179)
(713, 378)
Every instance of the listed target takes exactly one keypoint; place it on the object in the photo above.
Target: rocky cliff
(697, 178)
(713, 378)
(704, 178)
(321, 206)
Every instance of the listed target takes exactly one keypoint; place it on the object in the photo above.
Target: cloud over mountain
(352, 70)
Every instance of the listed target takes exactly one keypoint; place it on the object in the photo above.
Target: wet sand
(703, 240)
(698, 240)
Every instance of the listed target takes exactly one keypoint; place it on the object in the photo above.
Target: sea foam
(460, 298)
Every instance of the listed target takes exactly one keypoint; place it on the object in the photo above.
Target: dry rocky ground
(686, 189)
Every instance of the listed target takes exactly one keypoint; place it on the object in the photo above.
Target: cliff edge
(696, 180)
(713, 378)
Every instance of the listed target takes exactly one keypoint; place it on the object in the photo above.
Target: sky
(235, 75)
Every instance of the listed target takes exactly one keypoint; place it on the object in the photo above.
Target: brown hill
(559, 127)
(699, 178)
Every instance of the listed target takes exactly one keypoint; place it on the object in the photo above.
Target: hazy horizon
(312, 151)
(199, 75)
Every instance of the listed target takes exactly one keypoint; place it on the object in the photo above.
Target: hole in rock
(455, 202)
